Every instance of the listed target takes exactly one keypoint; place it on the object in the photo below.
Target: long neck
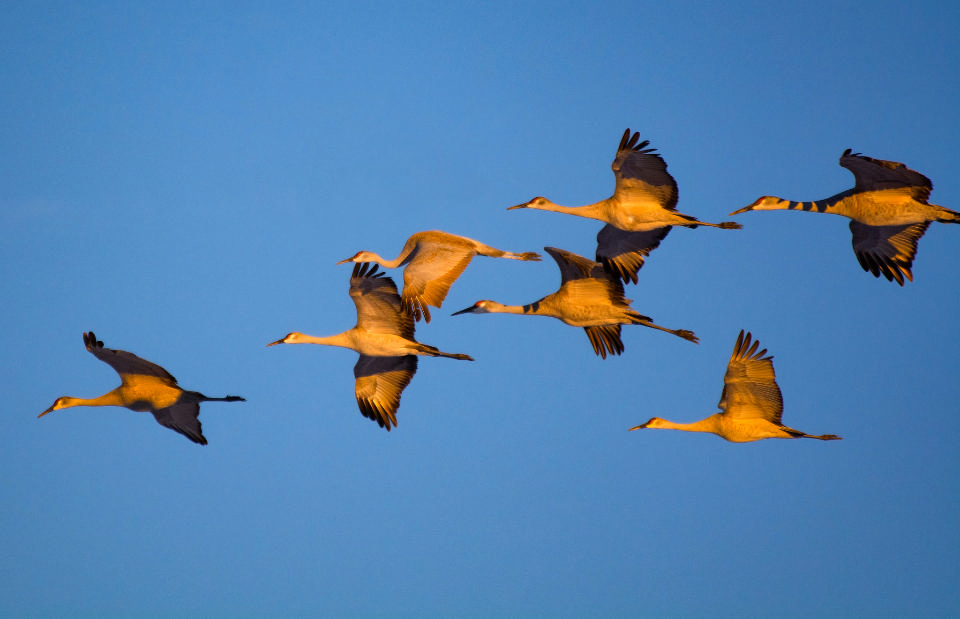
(344, 340)
(833, 204)
(537, 308)
(710, 424)
(111, 398)
(406, 254)
(591, 211)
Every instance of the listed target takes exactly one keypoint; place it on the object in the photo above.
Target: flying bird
(145, 387)
(434, 260)
(384, 338)
(888, 209)
(588, 297)
(638, 215)
(751, 404)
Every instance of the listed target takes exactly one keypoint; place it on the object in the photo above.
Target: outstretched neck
(592, 211)
(344, 340)
(833, 204)
(711, 424)
(111, 398)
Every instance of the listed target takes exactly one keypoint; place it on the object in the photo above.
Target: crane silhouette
(588, 297)
(434, 260)
(145, 387)
(638, 215)
(888, 210)
(384, 338)
(751, 403)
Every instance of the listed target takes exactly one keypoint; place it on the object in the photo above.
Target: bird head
(480, 307)
(536, 203)
(360, 256)
(655, 422)
(764, 203)
(290, 338)
(59, 403)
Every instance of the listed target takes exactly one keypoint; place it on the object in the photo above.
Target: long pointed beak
(640, 427)
(524, 205)
(467, 310)
(280, 341)
(49, 410)
(346, 260)
(743, 210)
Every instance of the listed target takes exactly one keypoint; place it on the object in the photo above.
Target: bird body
(889, 212)
(640, 212)
(588, 297)
(384, 337)
(434, 260)
(145, 387)
(751, 403)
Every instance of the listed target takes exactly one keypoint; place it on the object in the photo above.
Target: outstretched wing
(750, 389)
(887, 250)
(427, 279)
(379, 383)
(875, 174)
(641, 170)
(574, 266)
(378, 302)
(182, 417)
(124, 362)
(622, 253)
(605, 339)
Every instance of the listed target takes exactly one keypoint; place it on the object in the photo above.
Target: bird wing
(874, 174)
(182, 417)
(427, 279)
(380, 382)
(622, 252)
(573, 266)
(378, 302)
(887, 250)
(641, 170)
(604, 339)
(124, 362)
(750, 388)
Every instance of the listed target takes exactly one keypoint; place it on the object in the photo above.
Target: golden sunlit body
(384, 337)
(145, 387)
(638, 215)
(888, 209)
(751, 402)
(434, 260)
(588, 297)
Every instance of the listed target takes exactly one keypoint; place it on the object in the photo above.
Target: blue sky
(182, 181)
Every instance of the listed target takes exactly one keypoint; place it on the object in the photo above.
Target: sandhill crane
(751, 403)
(888, 209)
(384, 338)
(638, 215)
(434, 261)
(145, 387)
(588, 297)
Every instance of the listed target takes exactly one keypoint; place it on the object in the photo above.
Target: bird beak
(467, 310)
(280, 341)
(745, 209)
(524, 205)
(49, 410)
(341, 262)
(640, 427)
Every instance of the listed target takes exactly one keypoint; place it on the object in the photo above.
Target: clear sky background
(182, 181)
